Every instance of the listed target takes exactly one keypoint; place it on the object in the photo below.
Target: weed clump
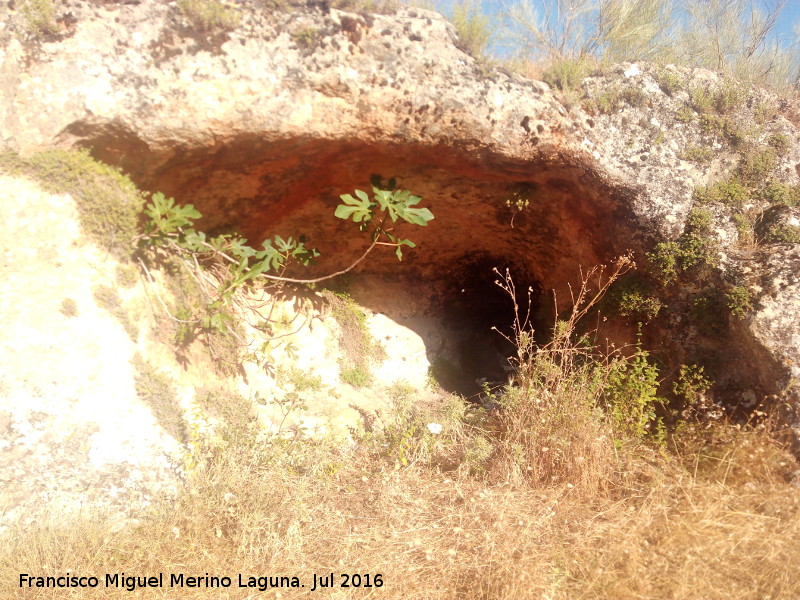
(670, 82)
(740, 301)
(694, 249)
(208, 14)
(69, 308)
(109, 204)
(108, 298)
(631, 299)
(360, 349)
(40, 17)
(700, 154)
(158, 392)
(472, 27)
(775, 192)
(731, 193)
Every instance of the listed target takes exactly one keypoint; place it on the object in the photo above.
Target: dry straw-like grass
(482, 510)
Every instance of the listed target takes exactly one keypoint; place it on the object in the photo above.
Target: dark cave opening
(478, 318)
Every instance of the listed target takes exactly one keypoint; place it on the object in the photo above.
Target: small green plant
(728, 98)
(780, 143)
(775, 192)
(306, 38)
(700, 154)
(208, 14)
(631, 395)
(126, 275)
(567, 74)
(693, 249)
(632, 300)
(40, 17)
(701, 99)
(108, 298)
(730, 192)
(740, 301)
(708, 312)
(723, 128)
(634, 97)
(519, 199)
(301, 380)
(744, 229)
(684, 115)
(360, 349)
(669, 82)
(69, 308)
(784, 234)
(692, 384)
(234, 412)
(358, 376)
(605, 103)
(472, 27)
(157, 390)
(756, 167)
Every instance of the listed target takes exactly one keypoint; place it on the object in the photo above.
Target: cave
(544, 221)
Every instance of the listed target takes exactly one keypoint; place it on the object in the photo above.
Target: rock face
(263, 125)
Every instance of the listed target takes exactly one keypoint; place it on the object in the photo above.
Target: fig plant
(227, 268)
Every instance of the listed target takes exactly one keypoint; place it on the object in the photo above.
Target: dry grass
(477, 510)
(431, 534)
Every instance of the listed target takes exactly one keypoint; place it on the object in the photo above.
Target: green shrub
(664, 262)
(669, 82)
(40, 17)
(359, 349)
(631, 395)
(723, 128)
(756, 167)
(692, 384)
(108, 298)
(126, 275)
(731, 193)
(700, 154)
(472, 27)
(567, 74)
(301, 380)
(684, 115)
(744, 229)
(235, 413)
(109, 204)
(208, 14)
(708, 312)
(693, 249)
(701, 99)
(780, 143)
(632, 300)
(357, 376)
(158, 392)
(740, 301)
(776, 192)
(728, 98)
(634, 96)
(306, 38)
(789, 234)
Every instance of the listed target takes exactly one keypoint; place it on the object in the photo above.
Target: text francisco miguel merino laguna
(180, 580)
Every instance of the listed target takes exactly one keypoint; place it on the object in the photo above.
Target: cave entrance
(478, 318)
(541, 219)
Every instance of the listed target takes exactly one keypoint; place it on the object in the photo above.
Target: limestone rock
(263, 125)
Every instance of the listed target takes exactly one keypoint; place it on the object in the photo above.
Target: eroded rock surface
(261, 127)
